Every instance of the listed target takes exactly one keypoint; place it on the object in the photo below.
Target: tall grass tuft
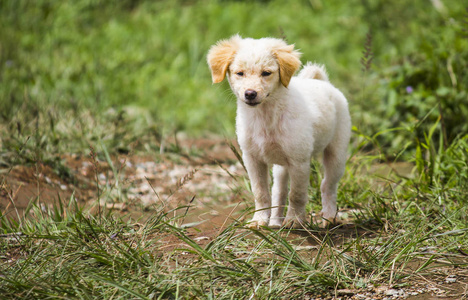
(367, 54)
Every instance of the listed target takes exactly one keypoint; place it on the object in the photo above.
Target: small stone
(391, 292)
(451, 279)
(343, 292)
(381, 289)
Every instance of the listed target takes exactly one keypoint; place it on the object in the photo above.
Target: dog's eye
(240, 73)
(266, 73)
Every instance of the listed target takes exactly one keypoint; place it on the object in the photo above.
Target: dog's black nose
(250, 94)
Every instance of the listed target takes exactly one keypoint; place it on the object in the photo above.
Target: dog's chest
(267, 147)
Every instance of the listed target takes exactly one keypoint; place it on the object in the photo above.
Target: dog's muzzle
(250, 96)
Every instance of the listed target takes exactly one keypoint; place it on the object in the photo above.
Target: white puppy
(283, 121)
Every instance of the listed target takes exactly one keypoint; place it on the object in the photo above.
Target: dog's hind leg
(334, 161)
(279, 195)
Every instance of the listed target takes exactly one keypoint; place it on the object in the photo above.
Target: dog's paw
(256, 224)
(275, 223)
(326, 222)
(293, 223)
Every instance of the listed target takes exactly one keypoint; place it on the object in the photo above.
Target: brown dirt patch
(199, 177)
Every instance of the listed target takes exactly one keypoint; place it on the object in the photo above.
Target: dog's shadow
(314, 236)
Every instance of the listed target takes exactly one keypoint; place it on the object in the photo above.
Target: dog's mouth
(252, 103)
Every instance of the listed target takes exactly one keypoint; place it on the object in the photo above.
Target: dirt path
(134, 184)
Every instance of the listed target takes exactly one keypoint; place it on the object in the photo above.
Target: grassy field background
(125, 77)
(80, 65)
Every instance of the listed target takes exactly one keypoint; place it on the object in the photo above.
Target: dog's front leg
(258, 174)
(279, 195)
(296, 215)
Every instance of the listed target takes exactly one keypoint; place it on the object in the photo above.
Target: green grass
(123, 76)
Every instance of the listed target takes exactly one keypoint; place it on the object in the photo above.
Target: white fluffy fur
(289, 121)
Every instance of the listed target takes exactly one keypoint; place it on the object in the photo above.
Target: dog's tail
(314, 71)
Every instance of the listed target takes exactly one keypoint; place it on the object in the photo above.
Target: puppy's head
(255, 68)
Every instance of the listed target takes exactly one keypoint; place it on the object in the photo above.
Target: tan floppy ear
(288, 60)
(221, 55)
